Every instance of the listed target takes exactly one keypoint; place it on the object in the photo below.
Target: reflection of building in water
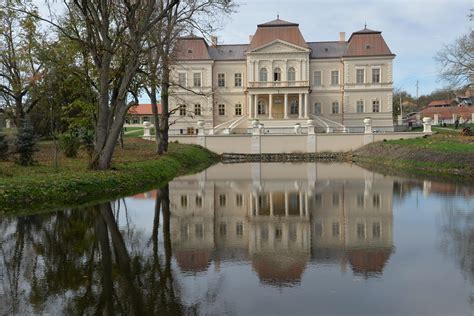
(278, 216)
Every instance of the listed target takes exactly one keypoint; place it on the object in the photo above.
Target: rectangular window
(221, 80)
(376, 231)
(197, 79)
(360, 200)
(239, 200)
(221, 109)
(360, 106)
(335, 199)
(182, 110)
(335, 107)
(184, 201)
(376, 75)
(222, 200)
(376, 200)
(361, 231)
(335, 229)
(238, 109)
(317, 78)
(334, 77)
(199, 230)
(182, 79)
(198, 201)
(360, 76)
(223, 229)
(197, 109)
(190, 130)
(317, 108)
(376, 105)
(318, 229)
(238, 80)
(239, 229)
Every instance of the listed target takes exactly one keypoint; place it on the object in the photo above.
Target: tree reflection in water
(81, 262)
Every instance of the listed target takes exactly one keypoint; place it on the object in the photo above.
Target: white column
(286, 204)
(270, 105)
(271, 204)
(250, 105)
(300, 195)
(306, 114)
(285, 114)
(255, 105)
(300, 105)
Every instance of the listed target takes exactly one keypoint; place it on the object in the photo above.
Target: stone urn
(426, 120)
(367, 121)
(200, 123)
(255, 123)
(297, 128)
(146, 129)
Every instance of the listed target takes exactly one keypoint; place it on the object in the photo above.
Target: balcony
(278, 84)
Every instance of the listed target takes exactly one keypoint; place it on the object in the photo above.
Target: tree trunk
(19, 111)
(156, 118)
(164, 117)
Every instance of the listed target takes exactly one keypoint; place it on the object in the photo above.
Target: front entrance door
(278, 107)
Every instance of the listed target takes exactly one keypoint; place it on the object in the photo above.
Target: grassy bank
(444, 154)
(136, 169)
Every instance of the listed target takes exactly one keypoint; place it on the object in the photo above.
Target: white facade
(283, 82)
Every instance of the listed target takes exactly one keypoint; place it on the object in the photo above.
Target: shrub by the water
(70, 144)
(26, 144)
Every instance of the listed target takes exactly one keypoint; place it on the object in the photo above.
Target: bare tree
(112, 33)
(457, 61)
(200, 15)
(20, 68)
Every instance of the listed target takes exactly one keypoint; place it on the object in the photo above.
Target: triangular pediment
(279, 46)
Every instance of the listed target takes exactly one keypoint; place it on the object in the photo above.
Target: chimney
(214, 41)
(250, 38)
(342, 36)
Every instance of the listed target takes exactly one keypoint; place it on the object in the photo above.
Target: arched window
(291, 74)
(294, 107)
(263, 74)
(277, 74)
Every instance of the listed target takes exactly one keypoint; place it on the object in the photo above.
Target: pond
(250, 239)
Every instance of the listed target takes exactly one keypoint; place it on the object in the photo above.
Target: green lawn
(134, 132)
(136, 168)
(441, 143)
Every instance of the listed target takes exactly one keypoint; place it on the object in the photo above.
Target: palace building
(280, 79)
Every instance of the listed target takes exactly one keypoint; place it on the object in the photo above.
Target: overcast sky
(413, 29)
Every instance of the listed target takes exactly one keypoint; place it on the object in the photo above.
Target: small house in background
(442, 103)
(139, 114)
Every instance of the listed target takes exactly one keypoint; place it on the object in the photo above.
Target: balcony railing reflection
(278, 84)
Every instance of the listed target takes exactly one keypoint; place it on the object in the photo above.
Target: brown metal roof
(277, 30)
(278, 22)
(367, 43)
(192, 48)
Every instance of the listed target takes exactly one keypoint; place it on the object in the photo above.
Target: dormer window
(190, 51)
(367, 46)
(326, 49)
(277, 74)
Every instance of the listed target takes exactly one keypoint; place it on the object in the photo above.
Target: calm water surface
(250, 239)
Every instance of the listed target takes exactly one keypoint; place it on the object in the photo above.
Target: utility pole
(417, 86)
